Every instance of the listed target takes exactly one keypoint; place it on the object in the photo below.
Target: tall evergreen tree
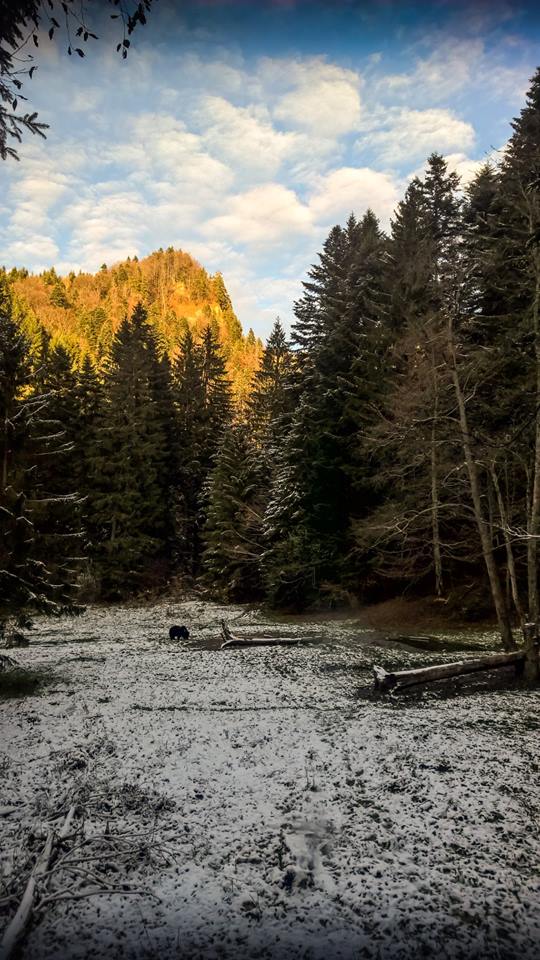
(240, 483)
(408, 531)
(27, 584)
(519, 219)
(233, 523)
(59, 519)
(202, 399)
(317, 486)
(188, 396)
(270, 400)
(129, 498)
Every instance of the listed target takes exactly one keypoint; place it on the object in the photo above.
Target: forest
(390, 445)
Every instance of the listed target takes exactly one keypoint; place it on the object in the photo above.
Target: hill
(83, 311)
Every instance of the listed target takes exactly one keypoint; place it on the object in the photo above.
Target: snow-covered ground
(250, 803)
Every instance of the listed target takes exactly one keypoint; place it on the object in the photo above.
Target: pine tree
(519, 221)
(317, 488)
(216, 392)
(202, 399)
(270, 399)
(59, 518)
(408, 532)
(88, 403)
(240, 483)
(234, 515)
(26, 583)
(189, 445)
(129, 499)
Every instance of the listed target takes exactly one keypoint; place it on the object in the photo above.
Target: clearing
(253, 803)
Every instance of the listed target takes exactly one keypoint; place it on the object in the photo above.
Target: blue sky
(241, 132)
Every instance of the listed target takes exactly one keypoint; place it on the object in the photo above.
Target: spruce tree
(129, 497)
(233, 520)
(203, 404)
(317, 489)
(189, 445)
(270, 399)
(27, 584)
(59, 518)
(408, 531)
(240, 483)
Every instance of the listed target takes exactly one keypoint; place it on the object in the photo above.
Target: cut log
(231, 640)
(408, 678)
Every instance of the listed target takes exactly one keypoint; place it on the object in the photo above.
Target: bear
(179, 633)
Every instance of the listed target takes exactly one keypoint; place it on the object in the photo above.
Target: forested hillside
(83, 311)
(393, 444)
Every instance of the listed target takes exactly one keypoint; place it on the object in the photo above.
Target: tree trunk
(437, 561)
(533, 524)
(409, 678)
(230, 640)
(501, 609)
(16, 929)
(508, 544)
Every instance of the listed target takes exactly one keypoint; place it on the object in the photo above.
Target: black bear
(179, 633)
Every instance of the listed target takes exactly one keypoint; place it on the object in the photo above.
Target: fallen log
(17, 927)
(231, 640)
(401, 679)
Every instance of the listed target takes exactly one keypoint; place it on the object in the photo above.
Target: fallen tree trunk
(16, 929)
(231, 640)
(409, 678)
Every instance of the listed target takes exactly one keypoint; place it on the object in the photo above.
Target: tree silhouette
(21, 22)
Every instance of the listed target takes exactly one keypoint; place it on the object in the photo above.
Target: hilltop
(83, 311)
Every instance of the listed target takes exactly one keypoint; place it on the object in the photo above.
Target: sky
(241, 132)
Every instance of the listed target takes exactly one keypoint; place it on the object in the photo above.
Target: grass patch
(17, 682)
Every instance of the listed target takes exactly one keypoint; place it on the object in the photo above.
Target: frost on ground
(249, 803)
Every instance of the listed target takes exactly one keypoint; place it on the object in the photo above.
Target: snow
(259, 804)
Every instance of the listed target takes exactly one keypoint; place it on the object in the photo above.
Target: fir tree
(270, 399)
(240, 483)
(191, 471)
(26, 583)
(202, 397)
(233, 524)
(59, 518)
(308, 520)
(129, 499)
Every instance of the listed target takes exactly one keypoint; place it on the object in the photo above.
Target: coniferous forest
(269, 480)
(391, 444)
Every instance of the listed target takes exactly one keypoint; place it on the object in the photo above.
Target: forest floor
(262, 802)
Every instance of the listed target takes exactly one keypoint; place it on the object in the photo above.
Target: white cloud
(449, 68)
(161, 144)
(106, 228)
(354, 189)
(245, 136)
(38, 186)
(195, 73)
(413, 133)
(38, 250)
(464, 166)
(86, 100)
(324, 98)
(262, 216)
(243, 163)
(455, 66)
